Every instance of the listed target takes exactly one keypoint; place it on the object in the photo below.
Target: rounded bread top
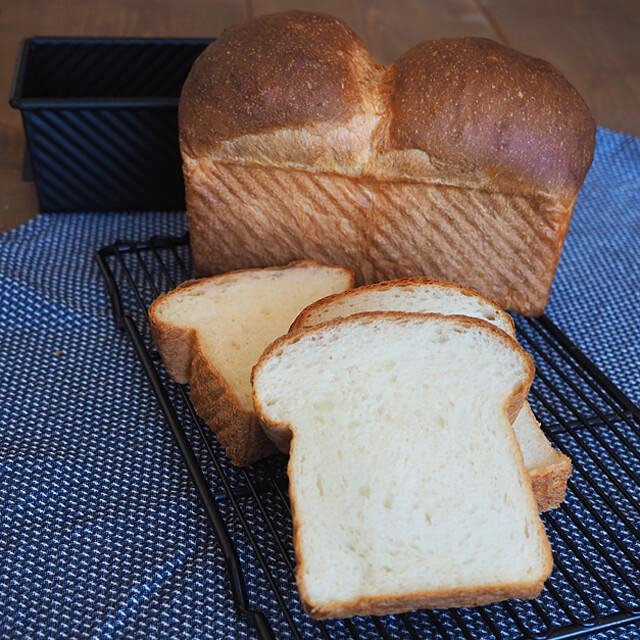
(301, 90)
(482, 112)
(287, 70)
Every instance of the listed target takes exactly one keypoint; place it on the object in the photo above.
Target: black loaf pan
(100, 119)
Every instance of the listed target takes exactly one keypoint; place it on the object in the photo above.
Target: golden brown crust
(465, 111)
(550, 483)
(428, 599)
(287, 70)
(445, 285)
(246, 217)
(236, 429)
(239, 218)
(297, 143)
(443, 599)
(487, 116)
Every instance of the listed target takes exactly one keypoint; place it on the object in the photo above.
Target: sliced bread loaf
(407, 484)
(210, 333)
(549, 469)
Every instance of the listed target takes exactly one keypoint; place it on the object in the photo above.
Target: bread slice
(549, 469)
(407, 484)
(210, 332)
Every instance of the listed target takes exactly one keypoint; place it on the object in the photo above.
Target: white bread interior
(406, 481)
(210, 333)
(549, 469)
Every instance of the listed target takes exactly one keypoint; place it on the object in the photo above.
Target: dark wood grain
(596, 44)
(390, 28)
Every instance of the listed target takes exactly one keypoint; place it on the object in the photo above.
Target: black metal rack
(595, 534)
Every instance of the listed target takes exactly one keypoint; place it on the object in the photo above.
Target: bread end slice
(550, 482)
(548, 469)
(199, 328)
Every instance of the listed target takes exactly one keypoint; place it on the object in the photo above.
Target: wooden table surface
(595, 43)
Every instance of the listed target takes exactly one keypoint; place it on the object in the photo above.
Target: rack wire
(595, 534)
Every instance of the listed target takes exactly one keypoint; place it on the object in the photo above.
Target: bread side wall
(505, 246)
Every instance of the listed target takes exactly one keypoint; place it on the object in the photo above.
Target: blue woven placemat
(101, 534)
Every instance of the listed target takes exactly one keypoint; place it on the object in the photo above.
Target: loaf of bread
(460, 161)
(548, 469)
(407, 484)
(210, 332)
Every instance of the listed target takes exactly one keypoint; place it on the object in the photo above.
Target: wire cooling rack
(595, 534)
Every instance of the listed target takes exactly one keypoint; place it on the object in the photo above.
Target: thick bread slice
(549, 469)
(407, 484)
(210, 333)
